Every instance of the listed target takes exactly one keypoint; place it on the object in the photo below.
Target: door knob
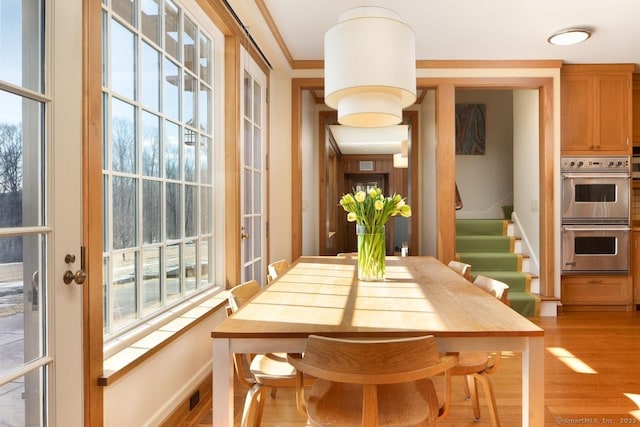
(79, 276)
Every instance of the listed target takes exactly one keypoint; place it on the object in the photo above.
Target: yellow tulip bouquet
(371, 211)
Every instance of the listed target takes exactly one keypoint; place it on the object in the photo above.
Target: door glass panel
(205, 58)
(20, 155)
(205, 257)
(19, 27)
(190, 140)
(171, 150)
(189, 99)
(124, 212)
(204, 108)
(21, 400)
(191, 210)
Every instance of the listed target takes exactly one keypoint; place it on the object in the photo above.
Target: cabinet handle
(594, 281)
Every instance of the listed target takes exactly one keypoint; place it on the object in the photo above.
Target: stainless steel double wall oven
(596, 214)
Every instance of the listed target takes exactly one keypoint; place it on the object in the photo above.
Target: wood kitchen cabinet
(636, 109)
(596, 105)
(597, 292)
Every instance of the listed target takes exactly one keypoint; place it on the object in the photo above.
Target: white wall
(526, 178)
(493, 171)
(279, 166)
(147, 395)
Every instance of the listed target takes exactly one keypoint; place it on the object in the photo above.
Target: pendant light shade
(370, 67)
(399, 161)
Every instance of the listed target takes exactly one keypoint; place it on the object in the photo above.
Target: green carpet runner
(484, 244)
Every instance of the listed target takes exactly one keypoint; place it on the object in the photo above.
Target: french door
(40, 212)
(253, 171)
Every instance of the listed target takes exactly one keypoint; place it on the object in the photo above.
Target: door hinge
(266, 160)
(267, 229)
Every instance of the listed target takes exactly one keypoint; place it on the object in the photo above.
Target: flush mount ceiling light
(569, 37)
(369, 67)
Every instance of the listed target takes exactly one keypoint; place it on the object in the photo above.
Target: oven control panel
(596, 164)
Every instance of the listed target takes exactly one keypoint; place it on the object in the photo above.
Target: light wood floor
(592, 377)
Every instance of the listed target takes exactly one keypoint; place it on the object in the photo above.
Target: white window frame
(116, 340)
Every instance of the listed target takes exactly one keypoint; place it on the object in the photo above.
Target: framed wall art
(470, 128)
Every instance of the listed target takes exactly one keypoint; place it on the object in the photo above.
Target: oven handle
(596, 175)
(597, 228)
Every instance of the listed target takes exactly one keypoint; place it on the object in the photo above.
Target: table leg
(222, 392)
(533, 383)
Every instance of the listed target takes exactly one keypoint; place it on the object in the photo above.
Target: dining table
(420, 295)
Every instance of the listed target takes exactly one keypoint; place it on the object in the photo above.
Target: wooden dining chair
(276, 269)
(370, 383)
(461, 268)
(260, 373)
(494, 287)
(475, 366)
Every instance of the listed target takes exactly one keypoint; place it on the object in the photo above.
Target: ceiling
(459, 29)
(455, 29)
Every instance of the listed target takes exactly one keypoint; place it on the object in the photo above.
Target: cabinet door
(612, 112)
(577, 112)
(636, 109)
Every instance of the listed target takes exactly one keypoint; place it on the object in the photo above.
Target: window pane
(151, 211)
(205, 160)
(205, 210)
(105, 212)
(21, 44)
(151, 296)
(171, 22)
(205, 257)
(21, 161)
(190, 140)
(174, 209)
(171, 90)
(123, 141)
(124, 289)
(124, 8)
(150, 77)
(122, 60)
(257, 193)
(151, 20)
(248, 110)
(257, 236)
(189, 41)
(106, 296)
(204, 109)
(189, 100)
(171, 150)
(191, 210)
(124, 212)
(205, 58)
(173, 278)
(150, 144)
(190, 258)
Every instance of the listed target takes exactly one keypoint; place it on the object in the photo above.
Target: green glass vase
(371, 253)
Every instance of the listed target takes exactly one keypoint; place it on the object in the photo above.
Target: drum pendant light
(369, 67)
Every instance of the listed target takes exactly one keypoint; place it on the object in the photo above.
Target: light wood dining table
(420, 296)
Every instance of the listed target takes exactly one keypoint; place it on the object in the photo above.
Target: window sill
(130, 357)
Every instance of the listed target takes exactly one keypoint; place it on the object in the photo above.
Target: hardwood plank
(606, 342)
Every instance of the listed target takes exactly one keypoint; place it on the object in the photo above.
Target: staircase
(486, 244)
